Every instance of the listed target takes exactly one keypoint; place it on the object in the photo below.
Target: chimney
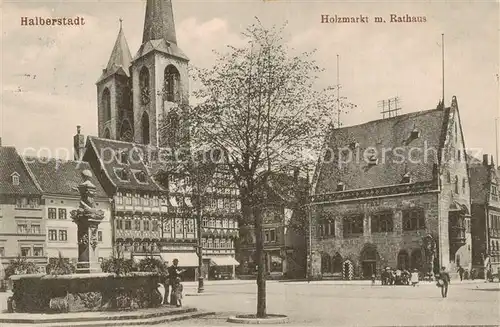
(485, 159)
(78, 144)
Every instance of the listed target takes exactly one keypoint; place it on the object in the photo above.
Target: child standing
(414, 277)
(178, 292)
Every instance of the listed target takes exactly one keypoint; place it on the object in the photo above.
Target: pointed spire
(159, 21)
(120, 56)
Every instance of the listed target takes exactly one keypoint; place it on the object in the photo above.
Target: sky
(49, 73)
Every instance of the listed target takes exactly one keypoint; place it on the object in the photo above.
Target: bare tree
(261, 107)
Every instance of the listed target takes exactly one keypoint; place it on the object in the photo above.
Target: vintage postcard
(217, 162)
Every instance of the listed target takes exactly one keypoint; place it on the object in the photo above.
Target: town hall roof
(372, 153)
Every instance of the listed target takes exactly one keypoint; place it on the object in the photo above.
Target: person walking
(443, 281)
(460, 271)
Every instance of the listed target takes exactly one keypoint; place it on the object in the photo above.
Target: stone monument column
(87, 219)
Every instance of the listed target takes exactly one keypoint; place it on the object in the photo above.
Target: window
(22, 229)
(52, 213)
(52, 235)
(448, 177)
(266, 236)
(171, 83)
(38, 251)
(119, 198)
(106, 104)
(382, 222)
(21, 202)
(136, 200)
(99, 236)
(146, 225)
(190, 226)
(212, 222)
(154, 201)
(119, 224)
(463, 185)
(144, 85)
(63, 235)
(413, 219)
(137, 224)
(128, 225)
(456, 184)
(494, 193)
(167, 225)
(62, 214)
(156, 226)
(210, 243)
(459, 155)
(218, 223)
(145, 200)
(2, 251)
(353, 225)
(340, 187)
(25, 251)
(15, 179)
(178, 226)
(205, 222)
(35, 229)
(272, 235)
(33, 203)
(128, 199)
(216, 243)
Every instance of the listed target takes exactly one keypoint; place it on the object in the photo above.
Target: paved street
(333, 304)
(329, 303)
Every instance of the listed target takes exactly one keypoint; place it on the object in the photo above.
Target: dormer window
(406, 178)
(122, 174)
(372, 160)
(123, 157)
(415, 134)
(140, 176)
(15, 178)
(340, 187)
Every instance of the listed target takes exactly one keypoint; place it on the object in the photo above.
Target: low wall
(84, 292)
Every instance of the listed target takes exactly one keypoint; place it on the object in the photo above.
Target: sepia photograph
(277, 162)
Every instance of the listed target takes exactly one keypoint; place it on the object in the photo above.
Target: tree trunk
(259, 249)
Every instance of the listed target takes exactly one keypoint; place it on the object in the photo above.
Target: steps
(94, 319)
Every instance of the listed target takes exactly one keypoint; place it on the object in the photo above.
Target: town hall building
(393, 192)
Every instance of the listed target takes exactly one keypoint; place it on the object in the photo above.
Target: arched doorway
(145, 128)
(403, 260)
(416, 259)
(325, 263)
(368, 261)
(337, 263)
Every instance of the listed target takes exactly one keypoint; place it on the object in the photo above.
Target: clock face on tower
(144, 95)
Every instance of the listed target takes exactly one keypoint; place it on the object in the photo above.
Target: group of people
(172, 285)
(391, 276)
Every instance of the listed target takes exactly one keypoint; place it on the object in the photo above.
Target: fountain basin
(41, 293)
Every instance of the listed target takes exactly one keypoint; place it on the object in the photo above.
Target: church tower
(114, 96)
(160, 81)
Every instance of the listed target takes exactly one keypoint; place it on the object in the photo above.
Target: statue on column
(87, 218)
(429, 245)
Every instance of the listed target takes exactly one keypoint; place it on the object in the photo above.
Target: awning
(224, 261)
(186, 259)
(138, 258)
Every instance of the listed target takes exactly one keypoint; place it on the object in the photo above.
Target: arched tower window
(126, 132)
(106, 104)
(144, 85)
(145, 128)
(107, 135)
(171, 83)
(172, 129)
(456, 184)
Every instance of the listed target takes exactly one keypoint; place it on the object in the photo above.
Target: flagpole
(442, 63)
(338, 91)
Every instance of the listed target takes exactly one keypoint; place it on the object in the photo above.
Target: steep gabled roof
(11, 162)
(60, 177)
(481, 177)
(109, 153)
(120, 59)
(392, 140)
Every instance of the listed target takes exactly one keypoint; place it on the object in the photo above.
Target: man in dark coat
(444, 276)
(173, 273)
